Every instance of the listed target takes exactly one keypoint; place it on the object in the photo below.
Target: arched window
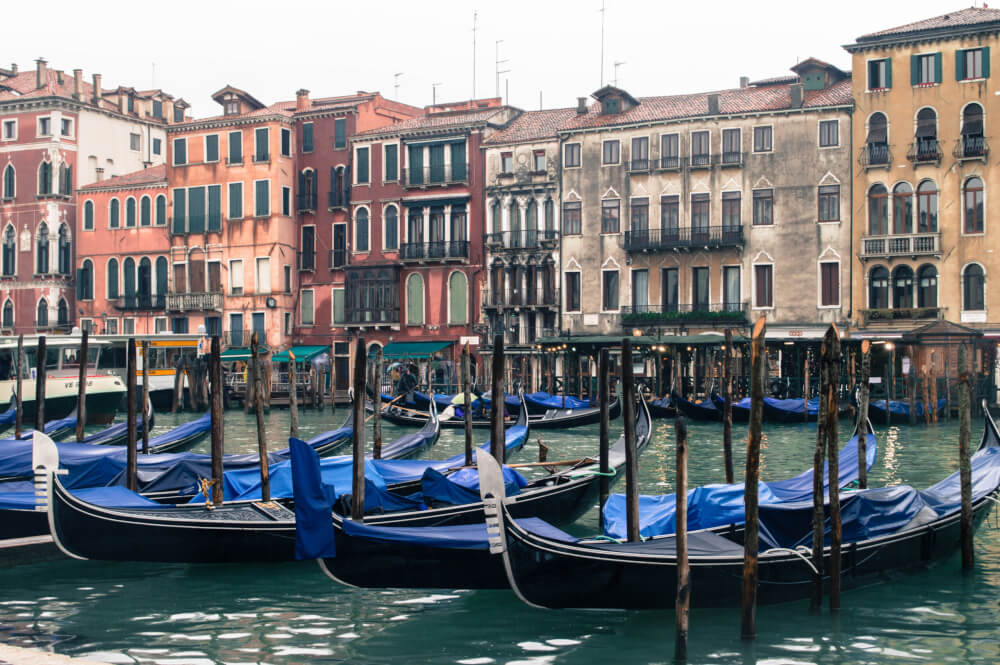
(550, 218)
(112, 279)
(42, 250)
(88, 216)
(927, 286)
(927, 133)
(414, 300)
(902, 287)
(458, 297)
(878, 210)
(64, 253)
(44, 178)
(62, 313)
(65, 179)
(902, 208)
(145, 282)
(8, 181)
(145, 212)
(361, 230)
(497, 217)
(161, 276)
(973, 288)
(972, 204)
(927, 207)
(878, 288)
(161, 210)
(878, 139)
(9, 251)
(307, 190)
(531, 224)
(514, 210)
(390, 235)
(130, 212)
(42, 315)
(85, 281)
(8, 314)
(128, 274)
(973, 143)
(114, 214)
(339, 191)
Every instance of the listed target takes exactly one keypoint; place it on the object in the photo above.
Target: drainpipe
(850, 158)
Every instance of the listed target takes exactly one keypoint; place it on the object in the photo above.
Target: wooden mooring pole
(377, 403)
(631, 458)
(498, 447)
(293, 397)
(81, 390)
(467, 402)
(748, 622)
(727, 413)
(911, 387)
(602, 398)
(830, 394)
(132, 474)
(861, 428)
(218, 426)
(258, 407)
(947, 386)
(19, 388)
(358, 478)
(964, 462)
(147, 409)
(805, 388)
(683, 604)
(40, 374)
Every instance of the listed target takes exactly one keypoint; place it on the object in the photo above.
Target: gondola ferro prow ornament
(492, 492)
(44, 463)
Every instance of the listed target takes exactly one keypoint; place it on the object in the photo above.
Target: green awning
(302, 353)
(240, 353)
(643, 340)
(413, 349)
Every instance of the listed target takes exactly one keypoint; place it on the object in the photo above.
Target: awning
(240, 353)
(302, 353)
(639, 340)
(413, 349)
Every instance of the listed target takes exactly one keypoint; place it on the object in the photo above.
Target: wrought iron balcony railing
(337, 258)
(924, 151)
(538, 297)
(875, 155)
(339, 198)
(307, 261)
(701, 161)
(371, 316)
(901, 313)
(305, 202)
(653, 240)
(434, 251)
(725, 312)
(971, 147)
(141, 302)
(435, 175)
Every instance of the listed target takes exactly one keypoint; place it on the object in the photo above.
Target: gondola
(702, 410)
(885, 530)
(551, 419)
(899, 410)
(662, 407)
(448, 549)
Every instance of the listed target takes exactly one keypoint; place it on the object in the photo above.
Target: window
(731, 204)
(927, 286)
(414, 300)
(926, 144)
(902, 287)
(62, 314)
(65, 179)
(571, 155)
(391, 234)
(609, 290)
(972, 142)
(42, 315)
(8, 315)
(927, 207)
(669, 291)
(114, 209)
(180, 206)
(42, 249)
(63, 250)
(669, 151)
(287, 274)
(731, 148)
(85, 281)
(340, 133)
(235, 277)
(308, 252)
(640, 216)
(731, 288)
(157, 146)
(879, 74)
(829, 133)
(235, 148)
(66, 127)
(337, 307)
(640, 290)
(9, 251)
(112, 279)
(45, 126)
(161, 210)
(235, 200)
(135, 142)
(286, 201)
(180, 152)
(506, 162)
(572, 291)
(699, 213)
(878, 210)
(973, 288)
(361, 161)
(538, 161)
(286, 142)
(902, 208)
(973, 63)
(262, 198)
(458, 287)
(129, 213)
(572, 218)
(196, 209)
(700, 149)
(610, 211)
(829, 203)
(391, 160)
(130, 104)
(215, 207)
(307, 137)
(670, 215)
(9, 130)
(878, 288)
(763, 286)
(361, 230)
(179, 113)
(145, 212)
(972, 200)
(157, 109)
(262, 275)
(9, 182)
(45, 178)
(261, 150)
(829, 284)
(212, 148)
(306, 308)
(762, 139)
(925, 69)
(699, 289)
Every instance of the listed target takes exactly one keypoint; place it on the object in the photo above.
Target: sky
(551, 48)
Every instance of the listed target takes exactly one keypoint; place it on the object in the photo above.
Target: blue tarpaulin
(461, 537)
(462, 486)
(314, 537)
(548, 401)
(902, 407)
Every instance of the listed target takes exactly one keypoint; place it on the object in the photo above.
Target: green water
(291, 613)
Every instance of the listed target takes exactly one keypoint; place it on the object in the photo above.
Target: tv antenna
(395, 84)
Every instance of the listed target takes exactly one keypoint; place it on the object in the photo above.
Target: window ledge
(878, 89)
(981, 79)
(930, 84)
(828, 221)
(267, 216)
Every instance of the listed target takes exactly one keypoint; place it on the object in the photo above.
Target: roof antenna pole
(602, 44)
(395, 84)
(618, 63)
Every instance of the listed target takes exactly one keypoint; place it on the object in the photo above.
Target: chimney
(13, 68)
(97, 90)
(713, 104)
(796, 94)
(59, 76)
(77, 84)
(302, 102)
(744, 81)
(41, 73)
(581, 105)
(121, 102)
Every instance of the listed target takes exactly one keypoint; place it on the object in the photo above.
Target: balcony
(706, 313)
(141, 303)
(902, 314)
(339, 199)
(643, 165)
(307, 261)
(709, 237)
(731, 159)
(435, 175)
(899, 245)
(700, 161)
(382, 316)
(194, 302)
(669, 162)
(539, 297)
(305, 202)
(971, 147)
(924, 151)
(337, 258)
(425, 252)
(875, 156)
(517, 240)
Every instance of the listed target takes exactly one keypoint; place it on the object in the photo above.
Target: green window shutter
(458, 298)
(161, 210)
(937, 67)
(959, 65)
(235, 200)
(986, 62)
(80, 274)
(437, 163)
(262, 195)
(180, 208)
(338, 305)
(307, 137)
(362, 165)
(888, 73)
(458, 170)
(391, 162)
(416, 164)
(235, 147)
(212, 148)
(196, 209)
(414, 300)
(340, 133)
(215, 207)
(914, 69)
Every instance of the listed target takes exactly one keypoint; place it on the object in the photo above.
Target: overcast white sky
(552, 47)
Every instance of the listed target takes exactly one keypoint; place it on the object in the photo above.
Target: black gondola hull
(562, 419)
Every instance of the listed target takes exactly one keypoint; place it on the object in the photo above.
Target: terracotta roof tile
(23, 86)
(437, 121)
(533, 125)
(970, 16)
(148, 176)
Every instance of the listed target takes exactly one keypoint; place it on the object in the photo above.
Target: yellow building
(925, 218)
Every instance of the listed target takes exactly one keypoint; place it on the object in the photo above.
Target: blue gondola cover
(314, 537)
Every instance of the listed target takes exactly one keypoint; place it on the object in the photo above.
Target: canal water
(290, 613)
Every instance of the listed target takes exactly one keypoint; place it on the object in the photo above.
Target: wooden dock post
(727, 413)
(748, 623)
(911, 387)
(683, 604)
(947, 386)
(19, 388)
(467, 402)
(631, 458)
(377, 403)
(930, 408)
(888, 397)
(498, 447)
(861, 429)
(964, 463)
(805, 388)
(40, 374)
(831, 371)
(932, 382)
(819, 459)
(132, 466)
(333, 380)
(258, 407)
(358, 406)
(218, 426)
(293, 397)
(603, 397)
(81, 391)
(178, 396)
(147, 409)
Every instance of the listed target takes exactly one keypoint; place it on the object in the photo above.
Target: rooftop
(970, 17)
(437, 121)
(148, 176)
(532, 126)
